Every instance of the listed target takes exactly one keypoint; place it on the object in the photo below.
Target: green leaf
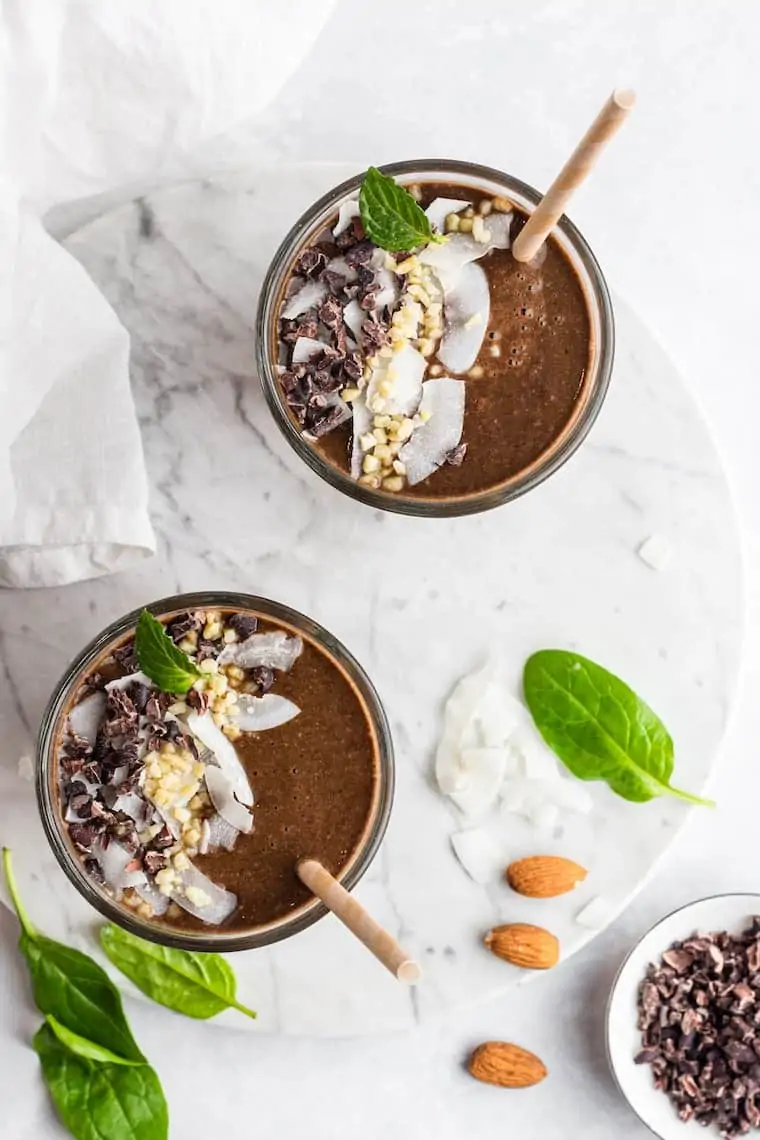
(72, 988)
(102, 1102)
(84, 1048)
(391, 217)
(599, 728)
(165, 664)
(198, 985)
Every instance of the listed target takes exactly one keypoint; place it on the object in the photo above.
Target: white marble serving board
(418, 602)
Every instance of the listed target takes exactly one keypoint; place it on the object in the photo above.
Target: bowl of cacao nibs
(683, 1021)
(194, 752)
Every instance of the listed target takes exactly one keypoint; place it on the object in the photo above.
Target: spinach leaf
(391, 217)
(165, 664)
(102, 1102)
(198, 985)
(71, 987)
(599, 728)
(84, 1048)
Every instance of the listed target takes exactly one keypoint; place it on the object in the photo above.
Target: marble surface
(418, 602)
(541, 70)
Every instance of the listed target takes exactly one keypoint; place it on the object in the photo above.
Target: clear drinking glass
(213, 939)
(490, 182)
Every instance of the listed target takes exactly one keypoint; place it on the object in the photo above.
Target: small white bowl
(654, 1108)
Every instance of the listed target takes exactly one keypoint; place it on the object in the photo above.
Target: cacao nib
(244, 625)
(77, 747)
(310, 263)
(93, 869)
(83, 835)
(353, 233)
(179, 627)
(262, 676)
(374, 332)
(205, 650)
(305, 325)
(360, 253)
(121, 714)
(198, 701)
(126, 657)
(154, 861)
(139, 694)
(455, 458)
(330, 313)
(163, 840)
(81, 804)
(352, 367)
(335, 282)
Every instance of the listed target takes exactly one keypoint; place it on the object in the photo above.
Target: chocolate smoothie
(193, 810)
(514, 339)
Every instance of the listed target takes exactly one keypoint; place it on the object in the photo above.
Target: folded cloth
(98, 96)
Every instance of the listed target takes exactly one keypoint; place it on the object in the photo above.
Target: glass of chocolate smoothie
(443, 379)
(194, 752)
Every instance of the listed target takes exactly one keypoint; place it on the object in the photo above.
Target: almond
(498, 1063)
(524, 945)
(544, 876)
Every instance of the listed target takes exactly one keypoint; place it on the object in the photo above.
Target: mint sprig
(165, 664)
(391, 217)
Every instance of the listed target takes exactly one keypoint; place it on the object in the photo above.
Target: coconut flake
(85, 718)
(199, 896)
(219, 834)
(277, 650)
(258, 714)
(208, 732)
(121, 683)
(484, 769)
(448, 258)
(432, 441)
(306, 347)
(544, 815)
(570, 795)
(361, 426)
(387, 281)
(499, 228)
(354, 317)
(150, 894)
(221, 793)
(306, 298)
(656, 552)
(347, 211)
(595, 914)
(536, 759)
(403, 371)
(341, 266)
(114, 860)
(439, 209)
(467, 308)
(477, 853)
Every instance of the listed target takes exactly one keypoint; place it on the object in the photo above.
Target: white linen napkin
(98, 96)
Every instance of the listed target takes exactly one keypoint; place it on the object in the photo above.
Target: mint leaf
(599, 728)
(391, 217)
(165, 664)
(197, 985)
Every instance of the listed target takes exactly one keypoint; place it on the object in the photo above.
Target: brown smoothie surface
(527, 394)
(315, 781)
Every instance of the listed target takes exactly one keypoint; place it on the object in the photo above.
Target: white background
(673, 215)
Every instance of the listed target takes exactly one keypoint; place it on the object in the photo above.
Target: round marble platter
(419, 602)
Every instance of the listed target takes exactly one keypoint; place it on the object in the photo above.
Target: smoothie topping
(150, 777)
(378, 310)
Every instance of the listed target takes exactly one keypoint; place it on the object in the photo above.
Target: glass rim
(215, 939)
(597, 295)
